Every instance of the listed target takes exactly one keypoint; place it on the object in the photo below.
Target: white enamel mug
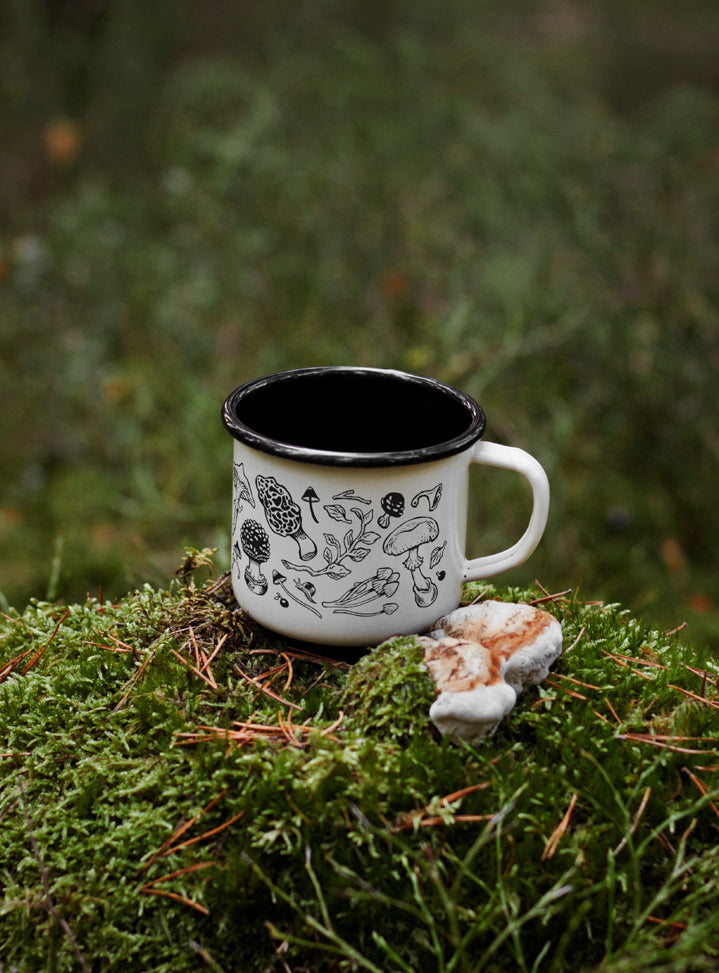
(350, 492)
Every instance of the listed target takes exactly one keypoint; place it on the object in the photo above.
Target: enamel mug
(350, 493)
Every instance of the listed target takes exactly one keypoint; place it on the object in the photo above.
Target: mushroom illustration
(242, 492)
(383, 584)
(406, 539)
(389, 608)
(283, 514)
(393, 506)
(432, 496)
(242, 484)
(256, 545)
(310, 497)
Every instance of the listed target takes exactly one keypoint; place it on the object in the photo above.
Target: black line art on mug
(236, 558)
(407, 538)
(280, 581)
(337, 512)
(432, 496)
(353, 545)
(283, 514)
(310, 497)
(437, 555)
(256, 545)
(392, 506)
(242, 493)
(307, 589)
(351, 495)
(383, 584)
(389, 608)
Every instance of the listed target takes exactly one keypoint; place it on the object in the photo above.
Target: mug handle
(512, 458)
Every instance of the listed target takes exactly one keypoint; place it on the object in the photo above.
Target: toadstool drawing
(393, 506)
(407, 538)
(256, 545)
(310, 497)
(283, 514)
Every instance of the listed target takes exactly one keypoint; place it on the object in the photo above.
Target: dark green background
(519, 198)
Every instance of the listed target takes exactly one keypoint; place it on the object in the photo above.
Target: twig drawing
(353, 545)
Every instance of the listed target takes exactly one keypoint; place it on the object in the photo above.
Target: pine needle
(556, 836)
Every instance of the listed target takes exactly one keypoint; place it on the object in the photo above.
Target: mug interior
(353, 415)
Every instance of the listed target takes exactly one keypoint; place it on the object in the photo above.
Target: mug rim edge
(275, 447)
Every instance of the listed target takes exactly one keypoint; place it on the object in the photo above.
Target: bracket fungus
(406, 539)
(481, 657)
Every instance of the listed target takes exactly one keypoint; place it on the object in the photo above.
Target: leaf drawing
(353, 546)
(337, 512)
(436, 555)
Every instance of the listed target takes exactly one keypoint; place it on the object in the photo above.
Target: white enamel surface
(317, 566)
(346, 529)
(511, 458)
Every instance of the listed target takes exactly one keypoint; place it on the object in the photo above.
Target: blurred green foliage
(519, 198)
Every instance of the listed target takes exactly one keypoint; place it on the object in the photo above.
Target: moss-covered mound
(182, 791)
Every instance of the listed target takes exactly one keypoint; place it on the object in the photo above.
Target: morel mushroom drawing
(393, 506)
(407, 538)
(283, 514)
(256, 545)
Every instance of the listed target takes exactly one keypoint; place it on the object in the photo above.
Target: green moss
(351, 849)
(389, 691)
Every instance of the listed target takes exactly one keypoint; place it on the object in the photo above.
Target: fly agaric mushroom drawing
(432, 496)
(283, 514)
(393, 506)
(407, 538)
(256, 545)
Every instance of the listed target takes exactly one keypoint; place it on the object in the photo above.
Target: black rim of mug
(466, 416)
